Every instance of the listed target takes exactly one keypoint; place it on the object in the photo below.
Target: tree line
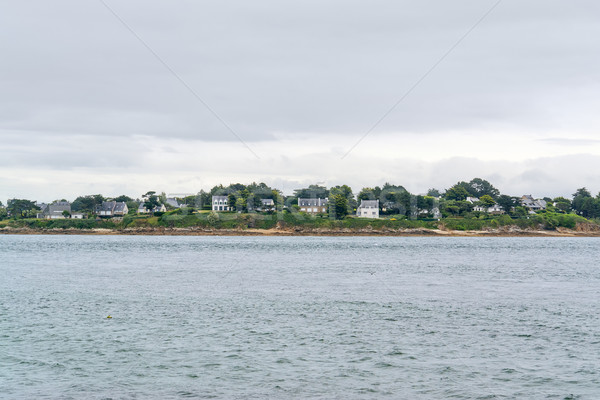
(393, 200)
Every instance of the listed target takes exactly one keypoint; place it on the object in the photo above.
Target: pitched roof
(108, 206)
(58, 208)
(173, 202)
(312, 202)
(120, 207)
(369, 203)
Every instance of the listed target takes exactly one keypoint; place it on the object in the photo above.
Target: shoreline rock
(506, 231)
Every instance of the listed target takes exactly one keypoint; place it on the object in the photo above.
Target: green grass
(231, 220)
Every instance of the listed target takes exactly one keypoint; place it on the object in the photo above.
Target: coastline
(409, 232)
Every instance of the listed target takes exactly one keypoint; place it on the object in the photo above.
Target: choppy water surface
(299, 317)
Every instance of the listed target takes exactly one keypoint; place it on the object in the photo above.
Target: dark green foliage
(487, 200)
(434, 193)
(151, 200)
(123, 199)
(585, 205)
(455, 208)
(507, 202)
(87, 203)
(457, 193)
(21, 208)
(562, 204)
(338, 206)
(480, 187)
(312, 192)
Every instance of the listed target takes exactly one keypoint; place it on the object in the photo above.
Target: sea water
(299, 317)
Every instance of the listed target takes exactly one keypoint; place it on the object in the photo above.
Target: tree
(457, 193)
(338, 206)
(396, 200)
(278, 200)
(151, 200)
(434, 193)
(132, 207)
(232, 201)
(455, 207)
(579, 200)
(520, 211)
(87, 203)
(507, 202)
(123, 199)
(562, 204)
(480, 187)
(21, 208)
(590, 207)
(425, 204)
(66, 214)
(487, 200)
(583, 192)
(345, 191)
(312, 192)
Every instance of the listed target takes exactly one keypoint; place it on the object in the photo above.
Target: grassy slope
(177, 219)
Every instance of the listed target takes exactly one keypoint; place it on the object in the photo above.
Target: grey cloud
(269, 67)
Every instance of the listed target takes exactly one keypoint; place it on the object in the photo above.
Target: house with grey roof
(368, 209)
(220, 203)
(55, 210)
(173, 202)
(112, 209)
(313, 206)
(532, 204)
(143, 210)
(267, 204)
(42, 207)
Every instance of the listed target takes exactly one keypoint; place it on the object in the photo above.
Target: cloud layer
(84, 104)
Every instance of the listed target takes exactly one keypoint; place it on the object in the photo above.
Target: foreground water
(299, 317)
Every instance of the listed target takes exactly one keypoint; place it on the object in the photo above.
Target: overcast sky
(125, 97)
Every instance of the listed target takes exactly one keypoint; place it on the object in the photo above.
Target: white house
(313, 206)
(472, 200)
(495, 209)
(368, 209)
(219, 203)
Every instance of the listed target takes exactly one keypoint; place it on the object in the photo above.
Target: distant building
(472, 200)
(143, 210)
(173, 202)
(55, 210)
(495, 209)
(42, 207)
(313, 206)
(266, 205)
(112, 209)
(368, 209)
(219, 203)
(532, 204)
(77, 215)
